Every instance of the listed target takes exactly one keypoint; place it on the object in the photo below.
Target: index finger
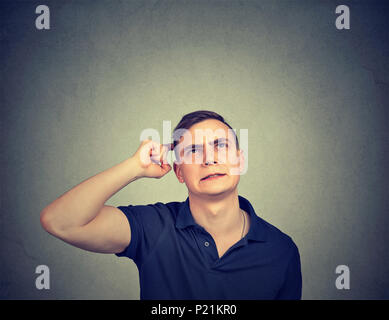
(165, 148)
(169, 146)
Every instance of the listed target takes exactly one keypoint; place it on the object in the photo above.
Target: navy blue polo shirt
(178, 259)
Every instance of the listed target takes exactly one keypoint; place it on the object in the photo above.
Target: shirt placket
(206, 245)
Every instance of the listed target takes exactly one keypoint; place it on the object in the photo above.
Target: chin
(217, 191)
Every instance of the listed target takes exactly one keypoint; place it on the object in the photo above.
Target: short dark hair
(192, 118)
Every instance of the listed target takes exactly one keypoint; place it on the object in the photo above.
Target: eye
(193, 150)
(222, 145)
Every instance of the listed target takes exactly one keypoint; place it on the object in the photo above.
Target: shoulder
(277, 238)
(170, 208)
(166, 211)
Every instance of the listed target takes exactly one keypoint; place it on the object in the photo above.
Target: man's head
(192, 118)
(205, 144)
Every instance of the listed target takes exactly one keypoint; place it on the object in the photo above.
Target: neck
(219, 215)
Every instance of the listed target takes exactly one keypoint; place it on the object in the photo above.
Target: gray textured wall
(75, 98)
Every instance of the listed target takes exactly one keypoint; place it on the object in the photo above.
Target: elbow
(50, 223)
(46, 221)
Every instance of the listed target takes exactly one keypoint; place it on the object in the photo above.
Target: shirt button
(206, 243)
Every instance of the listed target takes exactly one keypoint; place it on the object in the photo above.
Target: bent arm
(79, 217)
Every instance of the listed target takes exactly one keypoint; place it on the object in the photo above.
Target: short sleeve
(292, 286)
(147, 223)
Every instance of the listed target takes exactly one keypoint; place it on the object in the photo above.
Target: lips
(212, 176)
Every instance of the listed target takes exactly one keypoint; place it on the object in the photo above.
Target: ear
(178, 172)
(238, 164)
(242, 168)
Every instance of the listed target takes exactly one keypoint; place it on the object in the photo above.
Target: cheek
(234, 173)
(222, 156)
(189, 174)
(228, 157)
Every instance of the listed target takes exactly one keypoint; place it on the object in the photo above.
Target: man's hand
(151, 158)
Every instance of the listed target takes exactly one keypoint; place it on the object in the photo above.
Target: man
(211, 246)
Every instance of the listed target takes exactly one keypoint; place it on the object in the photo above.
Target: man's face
(209, 148)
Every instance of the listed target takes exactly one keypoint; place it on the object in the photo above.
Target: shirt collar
(257, 230)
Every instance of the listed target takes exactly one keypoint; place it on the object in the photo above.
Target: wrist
(136, 167)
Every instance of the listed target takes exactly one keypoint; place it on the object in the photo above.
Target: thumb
(165, 167)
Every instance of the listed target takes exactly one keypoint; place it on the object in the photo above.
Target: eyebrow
(216, 141)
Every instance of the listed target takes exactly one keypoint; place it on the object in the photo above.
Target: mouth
(213, 176)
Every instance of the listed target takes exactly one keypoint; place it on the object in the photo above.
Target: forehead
(207, 129)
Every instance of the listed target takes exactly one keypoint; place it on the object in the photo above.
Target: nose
(209, 156)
